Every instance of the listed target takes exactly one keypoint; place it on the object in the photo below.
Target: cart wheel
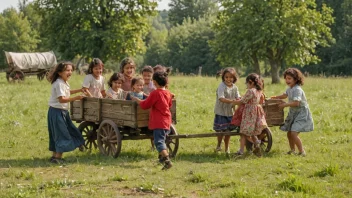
(41, 75)
(172, 144)
(89, 133)
(109, 139)
(266, 141)
(16, 75)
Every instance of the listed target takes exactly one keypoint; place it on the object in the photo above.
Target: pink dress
(253, 118)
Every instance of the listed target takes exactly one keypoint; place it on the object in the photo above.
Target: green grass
(326, 171)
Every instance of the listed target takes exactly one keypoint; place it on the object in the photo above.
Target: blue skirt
(221, 123)
(64, 136)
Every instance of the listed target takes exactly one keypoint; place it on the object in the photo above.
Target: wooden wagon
(104, 123)
(26, 64)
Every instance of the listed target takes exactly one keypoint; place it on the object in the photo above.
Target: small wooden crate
(121, 112)
(273, 114)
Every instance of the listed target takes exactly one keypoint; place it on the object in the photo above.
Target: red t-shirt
(160, 102)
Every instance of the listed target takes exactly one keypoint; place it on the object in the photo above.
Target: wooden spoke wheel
(172, 143)
(41, 75)
(109, 139)
(89, 133)
(266, 141)
(16, 75)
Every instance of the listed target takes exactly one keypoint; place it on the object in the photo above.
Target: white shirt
(59, 88)
(94, 86)
(223, 91)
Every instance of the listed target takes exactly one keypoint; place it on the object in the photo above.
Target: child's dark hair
(257, 80)
(231, 71)
(93, 63)
(162, 68)
(161, 77)
(115, 77)
(135, 80)
(147, 68)
(125, 62)
(295, 74)
(54, 75)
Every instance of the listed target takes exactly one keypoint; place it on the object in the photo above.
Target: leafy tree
(108, 29)
(188, 47)
(16, 34)
(282, 31)
(194, 9)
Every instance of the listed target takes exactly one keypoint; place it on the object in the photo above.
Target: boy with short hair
(159, 101)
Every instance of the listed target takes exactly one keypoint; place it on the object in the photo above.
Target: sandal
(57, 161)
(81, 148)
(292, 152)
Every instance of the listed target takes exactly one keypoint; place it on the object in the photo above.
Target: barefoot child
(299, 118)
(226, 94)
(64, 136)
(159, 101)
(93, 84)
(253, 117)
(115, 83)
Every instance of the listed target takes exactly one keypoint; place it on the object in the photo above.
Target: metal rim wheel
(109, 139)
(89, 133)
(172, 143)
(266, 141)
(16, 75)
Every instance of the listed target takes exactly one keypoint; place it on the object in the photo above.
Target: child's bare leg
(291, 141)
(242, 143)
(164, 153)
(58, 155)
(255, 140)
(219, 141)
(227, 141)
(297, 141)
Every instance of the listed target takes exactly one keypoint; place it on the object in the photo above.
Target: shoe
(257, 151)
(167, 163)
(57, 161)
(51, 158)
(302, 154)
(81, 148)
(227, 152)
(218, 149)
(239, 153)
(292, 152)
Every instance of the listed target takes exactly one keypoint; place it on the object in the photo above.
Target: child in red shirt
(159, 101)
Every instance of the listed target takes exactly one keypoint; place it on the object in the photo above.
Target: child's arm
(86, 91)
(283, 96)
(103, 93)
(76, 91)
(63, 99)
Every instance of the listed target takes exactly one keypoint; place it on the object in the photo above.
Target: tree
(282, 31)
(188, 47)
(16, 33)
(108, 29)
(193, 9)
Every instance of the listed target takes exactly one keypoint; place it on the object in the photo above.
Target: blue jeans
(159, 138)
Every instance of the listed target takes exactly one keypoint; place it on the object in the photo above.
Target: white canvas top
(42, 60)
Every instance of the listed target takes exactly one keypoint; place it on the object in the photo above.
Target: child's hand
(282, 105)
(135, 99)
(109, 95)
(274, 97)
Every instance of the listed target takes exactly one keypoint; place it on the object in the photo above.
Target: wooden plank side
(142, 123)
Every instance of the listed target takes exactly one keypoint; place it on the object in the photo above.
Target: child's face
(138, 87)
(290, 81)
(147, 77)
(97, 70)
(66, 74)
(228, 79)
(129, 70)
(116, 85)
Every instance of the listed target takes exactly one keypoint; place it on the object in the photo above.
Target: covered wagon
(25, 64)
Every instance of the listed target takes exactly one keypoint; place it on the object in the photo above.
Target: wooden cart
(104, 123)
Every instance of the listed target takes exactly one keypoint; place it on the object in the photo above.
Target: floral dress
(253, 117)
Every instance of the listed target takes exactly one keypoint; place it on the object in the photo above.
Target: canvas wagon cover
(42, 60)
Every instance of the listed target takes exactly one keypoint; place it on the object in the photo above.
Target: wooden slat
(142, 123)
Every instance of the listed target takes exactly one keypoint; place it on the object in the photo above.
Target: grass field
(326, 171)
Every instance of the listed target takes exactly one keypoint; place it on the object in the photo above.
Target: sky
(163, 4)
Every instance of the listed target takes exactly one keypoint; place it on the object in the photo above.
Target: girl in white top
(64, 136)
(93, 84)
(115, 84)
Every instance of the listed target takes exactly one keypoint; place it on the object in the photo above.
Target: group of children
(150, 92)
(249, 118)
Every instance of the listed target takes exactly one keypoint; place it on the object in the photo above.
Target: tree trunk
(275, 68)
(256, 65)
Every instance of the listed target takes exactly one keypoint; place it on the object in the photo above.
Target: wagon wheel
(109, 139)
(172, 143)
(41, 75)
(266, 141)
(89, 133)
(16, 75)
